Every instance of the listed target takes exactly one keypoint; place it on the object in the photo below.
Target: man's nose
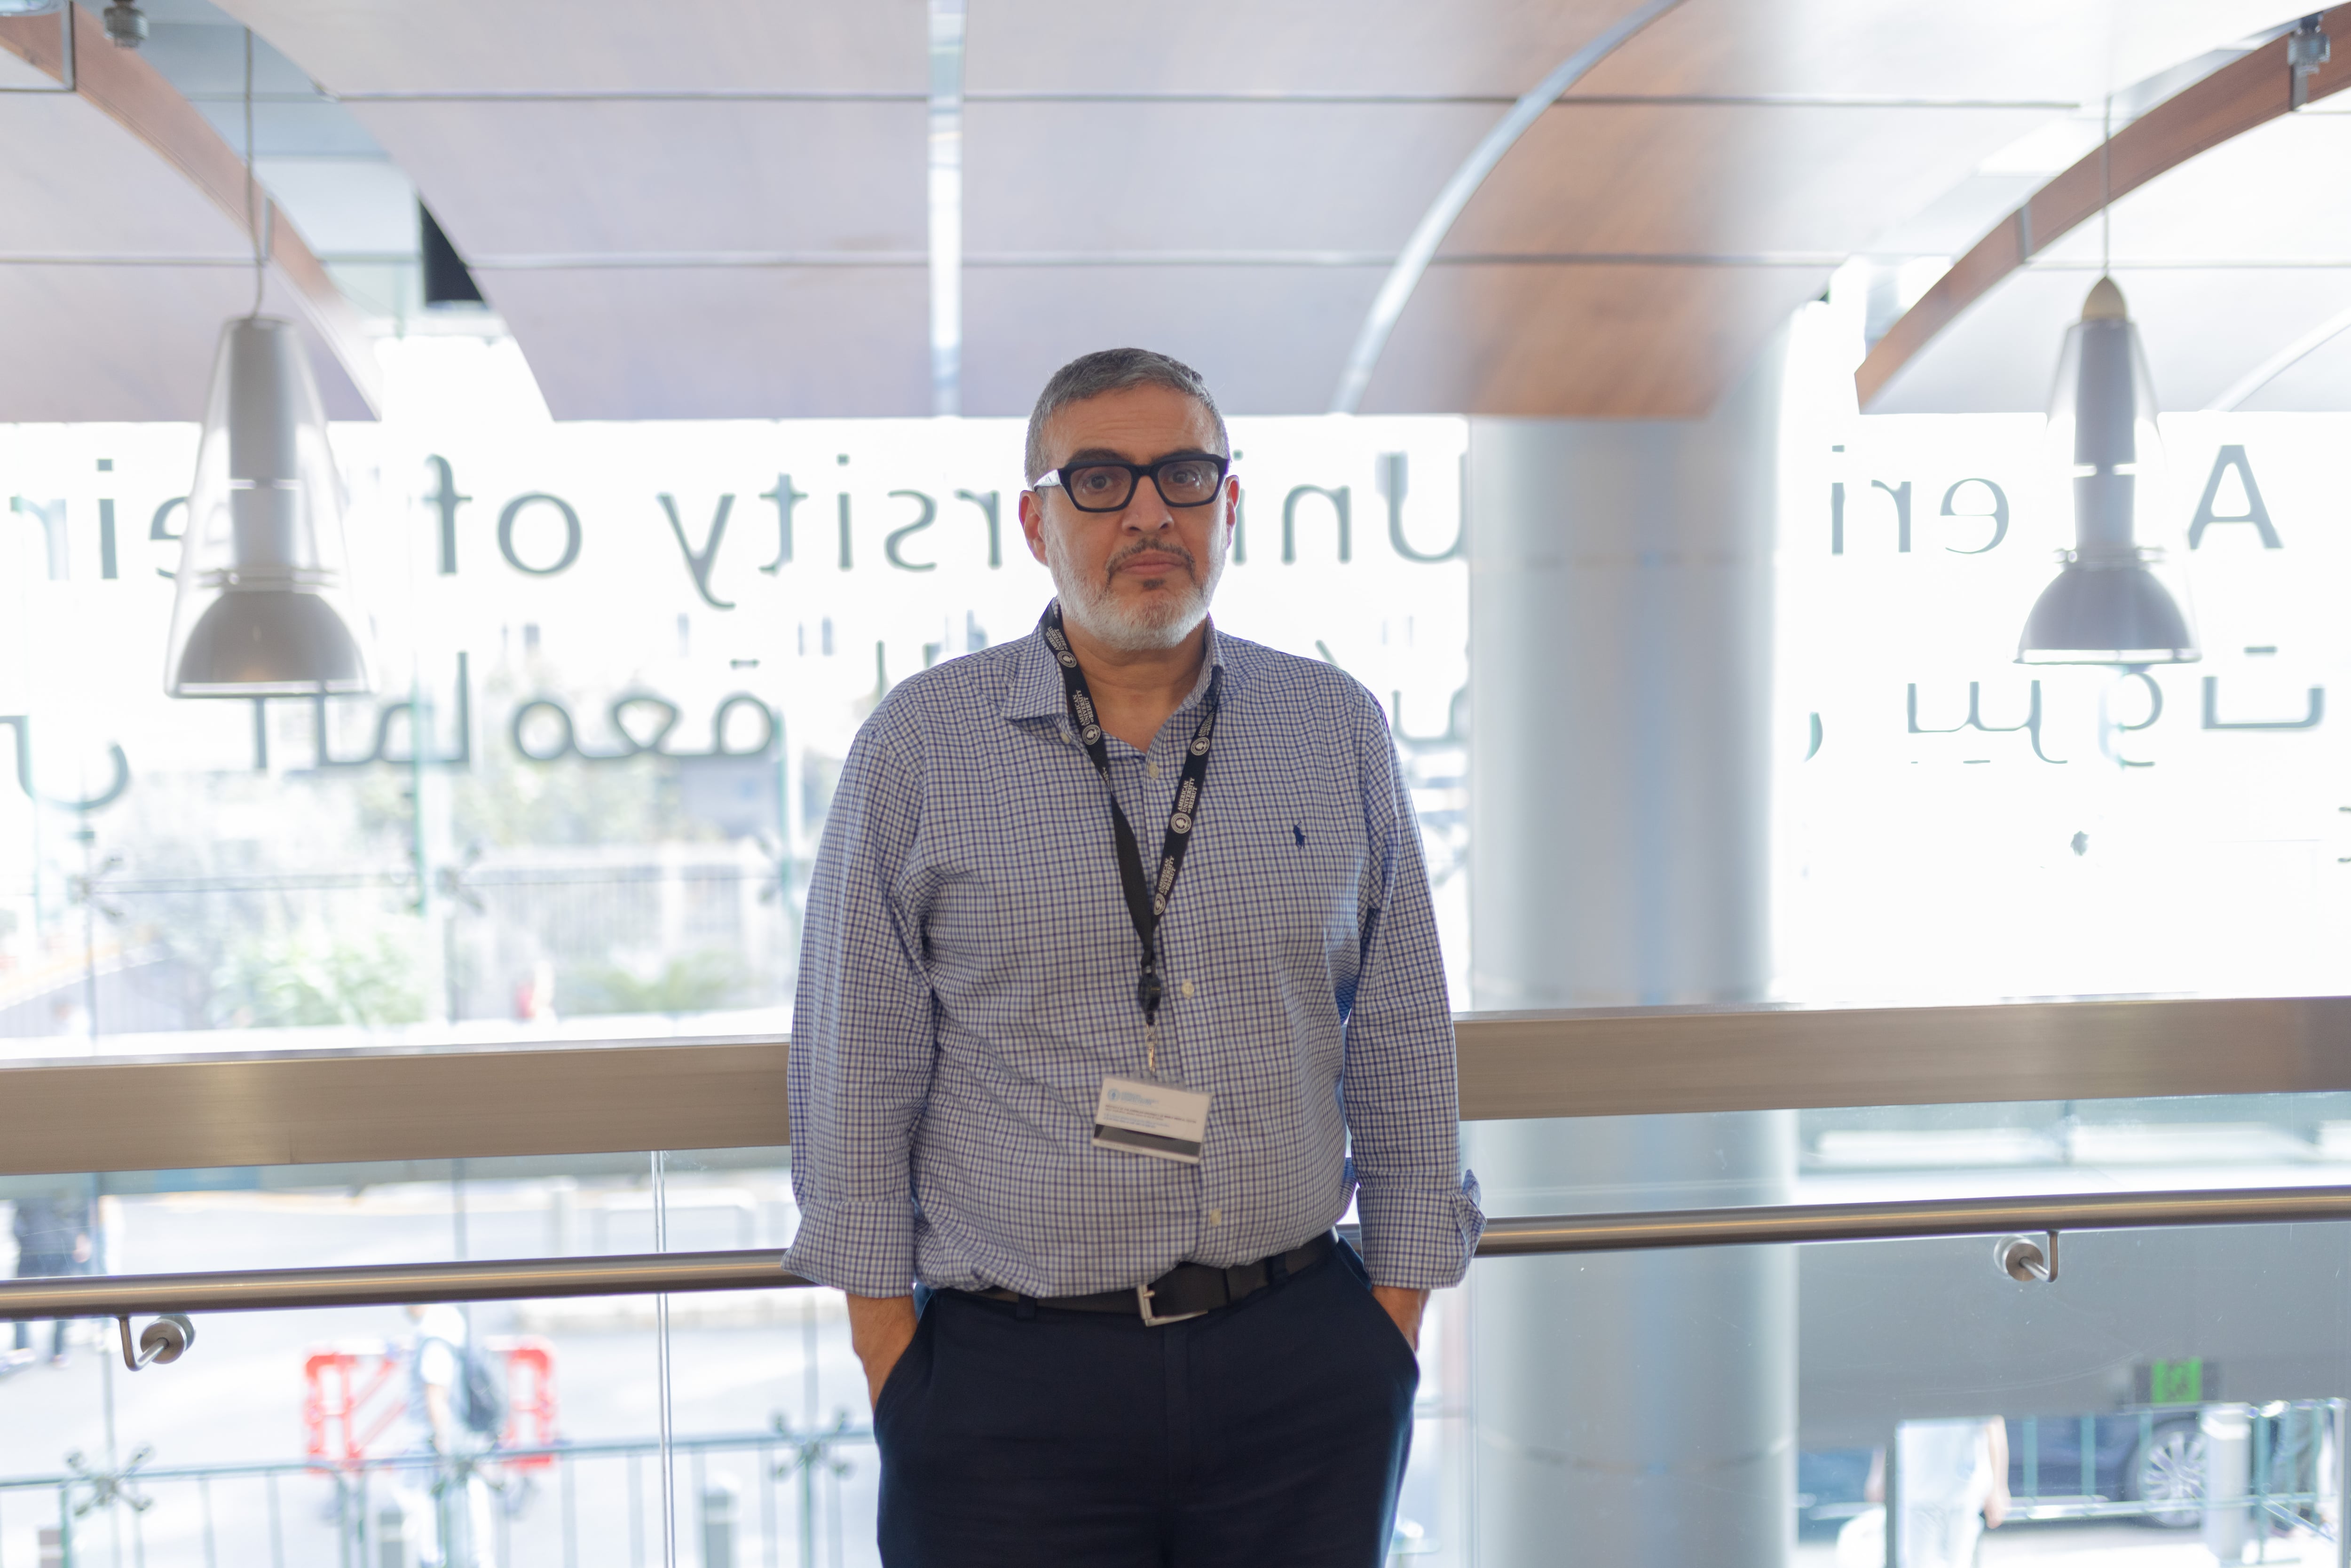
(1147, 510)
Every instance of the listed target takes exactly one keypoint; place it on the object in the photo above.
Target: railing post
(718, 1522)
(571, 1512)
(1890, 1484)
(2227, 1463)
(2341, 1410)
(2262, 1488)
(391, 1536)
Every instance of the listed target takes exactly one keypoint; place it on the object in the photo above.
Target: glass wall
(1956, 826)
(617, 670)
(618, 666)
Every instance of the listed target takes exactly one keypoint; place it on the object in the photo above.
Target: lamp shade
(264, 607)
(2108, 605)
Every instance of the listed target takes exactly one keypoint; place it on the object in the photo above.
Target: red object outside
(346, 1410)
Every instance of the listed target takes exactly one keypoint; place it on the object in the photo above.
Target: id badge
(1141, 1117)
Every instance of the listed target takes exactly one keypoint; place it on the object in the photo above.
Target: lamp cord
(252, 217)
(2106, 189)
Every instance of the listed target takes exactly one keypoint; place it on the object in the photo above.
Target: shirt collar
(1037, 680)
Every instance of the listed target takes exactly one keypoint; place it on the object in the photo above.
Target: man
(53, 1234)
(1119, 938)
(442, 1499)
(1954, 1481)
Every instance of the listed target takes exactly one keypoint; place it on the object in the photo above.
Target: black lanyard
(1146, 903)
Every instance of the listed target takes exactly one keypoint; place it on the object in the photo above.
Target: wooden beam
(381, 1105)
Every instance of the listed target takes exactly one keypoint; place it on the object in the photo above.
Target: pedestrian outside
(56, 1234)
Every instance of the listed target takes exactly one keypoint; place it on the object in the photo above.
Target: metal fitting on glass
(2028, 1261)
(164, 1340)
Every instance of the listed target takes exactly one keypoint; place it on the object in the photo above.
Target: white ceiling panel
(510, 179)
(1179, 177)
(76, 183)
(133, 342)
(2276, 193)
(1268, 338)
(2204, 329)
(723, 342)
(1485, 48)
(2320, 379)
(360, 47)
(2073, 51)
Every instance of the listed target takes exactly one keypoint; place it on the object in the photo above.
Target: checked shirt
(968, 981)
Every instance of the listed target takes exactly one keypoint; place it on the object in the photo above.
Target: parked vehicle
(2145, 1463)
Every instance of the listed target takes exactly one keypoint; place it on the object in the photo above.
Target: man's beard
(1161, 619)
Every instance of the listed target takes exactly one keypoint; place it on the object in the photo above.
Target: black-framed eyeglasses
(1098, 485)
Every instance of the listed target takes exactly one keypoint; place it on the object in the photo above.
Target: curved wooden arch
(133, 94)
(2249, 91)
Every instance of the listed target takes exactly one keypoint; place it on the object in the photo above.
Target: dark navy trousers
(1271, 1431)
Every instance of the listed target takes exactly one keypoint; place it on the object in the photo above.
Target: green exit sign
(2175, 1382)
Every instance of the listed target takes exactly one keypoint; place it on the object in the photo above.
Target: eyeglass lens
(1106, 487)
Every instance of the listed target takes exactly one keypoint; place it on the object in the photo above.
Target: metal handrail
(677, 1273)
(564, 1448)
(1911, 1221)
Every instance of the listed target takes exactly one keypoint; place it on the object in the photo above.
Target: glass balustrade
(302, 1436)
(2173, 1393)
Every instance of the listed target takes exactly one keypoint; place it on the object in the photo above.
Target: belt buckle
(1151, 1319)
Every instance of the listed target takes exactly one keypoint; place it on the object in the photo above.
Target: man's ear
(1032, 523)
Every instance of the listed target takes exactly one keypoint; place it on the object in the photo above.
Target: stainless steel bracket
(2028, 1261)
(162, 1342)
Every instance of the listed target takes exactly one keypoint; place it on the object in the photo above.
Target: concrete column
(1638, 1408)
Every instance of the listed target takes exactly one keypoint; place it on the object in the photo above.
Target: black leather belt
(1187, 1290)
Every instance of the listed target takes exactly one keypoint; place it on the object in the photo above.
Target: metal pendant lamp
(264, 607)
(2107, 605)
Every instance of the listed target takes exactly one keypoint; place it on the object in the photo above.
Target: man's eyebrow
(1104, 455)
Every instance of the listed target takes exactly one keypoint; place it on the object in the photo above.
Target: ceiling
(719, 208)
(120, 262)
(2230, 263)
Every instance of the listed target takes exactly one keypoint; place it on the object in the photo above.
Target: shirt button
(1216, 1217)
(1152, 769)
(1187, 987)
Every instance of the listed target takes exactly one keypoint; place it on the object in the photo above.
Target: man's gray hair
(1109, 371)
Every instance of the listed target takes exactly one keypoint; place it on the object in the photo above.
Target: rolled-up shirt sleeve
(863, 1032)
(1418, 1206)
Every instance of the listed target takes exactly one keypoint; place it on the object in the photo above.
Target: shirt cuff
(1420, 1236)
(865, 1249)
